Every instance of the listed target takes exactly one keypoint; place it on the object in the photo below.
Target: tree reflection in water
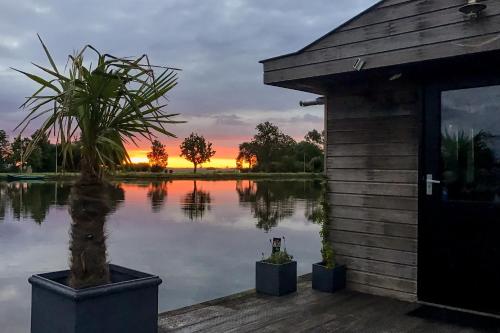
(268, 201)
(272, 201)
(157, 193)
(195, 203)
(33, 200)
(471, 169)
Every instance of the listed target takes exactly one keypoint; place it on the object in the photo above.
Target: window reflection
(470, 144)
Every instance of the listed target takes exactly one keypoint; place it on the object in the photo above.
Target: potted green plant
(101, 104)
(277, 274)
(327, 275)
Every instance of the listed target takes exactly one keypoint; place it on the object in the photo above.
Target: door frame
(430, 138)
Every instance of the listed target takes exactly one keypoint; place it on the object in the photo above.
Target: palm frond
(108, 104)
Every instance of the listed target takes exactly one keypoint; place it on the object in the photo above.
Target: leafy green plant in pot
(277, 274)
(327, 275)
(104, 105)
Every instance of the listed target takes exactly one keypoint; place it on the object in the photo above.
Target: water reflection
(272, 201)
(33, 200)
(268, 201)
(196, 203)
(117, 196)
(191, 258)
(157, 193)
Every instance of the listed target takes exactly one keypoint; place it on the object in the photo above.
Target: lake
(201, 237)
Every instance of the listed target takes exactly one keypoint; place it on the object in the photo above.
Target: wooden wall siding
(373, 185)
(395, 32)
(388, 3)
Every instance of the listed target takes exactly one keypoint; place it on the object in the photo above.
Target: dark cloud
(308, 117)
(230, 119)
(217, 43)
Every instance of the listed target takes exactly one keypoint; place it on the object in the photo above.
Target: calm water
(202, 238)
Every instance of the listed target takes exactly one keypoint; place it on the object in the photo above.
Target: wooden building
(412, 115)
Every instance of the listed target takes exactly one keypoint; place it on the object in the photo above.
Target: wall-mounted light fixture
(396, 77)
(359, 64)
(317, 101)
(473, 8)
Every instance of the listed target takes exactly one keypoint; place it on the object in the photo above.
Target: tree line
(195, 149)
(271, 150)
(42, 158)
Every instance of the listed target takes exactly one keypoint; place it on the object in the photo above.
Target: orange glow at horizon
(175, 161)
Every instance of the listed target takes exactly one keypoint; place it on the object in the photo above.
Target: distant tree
(270, 146)
(246, 154)
(273, 151)
(315, 137)
(4, 150)
(310, 156)
(18, 148)
(43, 157)
(158, 156)
(197, 150)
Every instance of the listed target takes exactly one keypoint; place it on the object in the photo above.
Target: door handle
(429, 181)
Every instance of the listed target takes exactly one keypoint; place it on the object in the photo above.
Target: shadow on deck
(312, 311)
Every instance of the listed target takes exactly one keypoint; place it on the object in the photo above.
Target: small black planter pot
(128, 304)
(276, 280)
(328, 280)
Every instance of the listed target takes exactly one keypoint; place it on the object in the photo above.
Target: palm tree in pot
(106, 104)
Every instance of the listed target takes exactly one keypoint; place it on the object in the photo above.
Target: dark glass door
(459, 228)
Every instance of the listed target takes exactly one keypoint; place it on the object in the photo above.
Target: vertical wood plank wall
(372, 157)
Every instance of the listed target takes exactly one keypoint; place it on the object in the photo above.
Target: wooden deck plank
(308, 311)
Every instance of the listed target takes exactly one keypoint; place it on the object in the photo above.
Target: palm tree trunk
(89, 205)
(195, 167)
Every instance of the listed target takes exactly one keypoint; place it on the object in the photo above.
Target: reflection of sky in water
(198, 259)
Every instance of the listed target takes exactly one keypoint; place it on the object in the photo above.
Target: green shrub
(157, 168)
(321, 216)
(279, 258)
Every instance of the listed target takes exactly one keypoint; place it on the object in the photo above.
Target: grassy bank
(205, 175)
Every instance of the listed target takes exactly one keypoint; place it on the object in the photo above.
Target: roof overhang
(388, 35)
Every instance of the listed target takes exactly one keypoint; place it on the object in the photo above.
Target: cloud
(9, 42)
(232, 120)
(217, 43)
(8, 293)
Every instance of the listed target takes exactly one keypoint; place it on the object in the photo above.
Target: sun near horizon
(177, 162)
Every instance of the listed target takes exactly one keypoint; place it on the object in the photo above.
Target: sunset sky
(216, 43)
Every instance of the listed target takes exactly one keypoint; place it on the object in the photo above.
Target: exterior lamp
(473, 8)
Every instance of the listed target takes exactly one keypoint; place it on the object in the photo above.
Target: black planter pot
(276, 280)
(128, 304)
(328, 280)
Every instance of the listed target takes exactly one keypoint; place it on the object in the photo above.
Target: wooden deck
(312, 311)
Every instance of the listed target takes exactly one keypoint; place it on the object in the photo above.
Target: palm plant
(106, 105)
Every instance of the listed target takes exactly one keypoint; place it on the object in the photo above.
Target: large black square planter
(328, 280)
(276, 280)
(129, 304)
